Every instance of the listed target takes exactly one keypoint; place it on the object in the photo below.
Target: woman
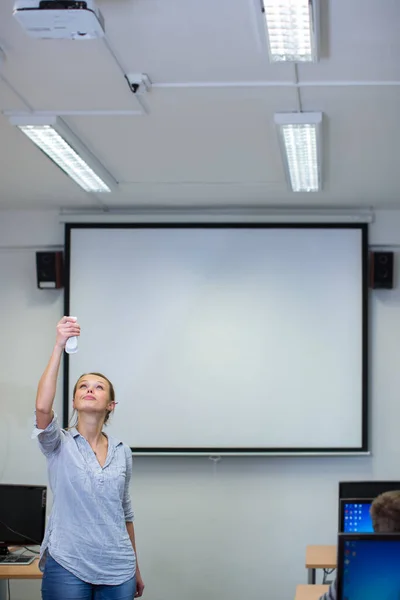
(88, 552)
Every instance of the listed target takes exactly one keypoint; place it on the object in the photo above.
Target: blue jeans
(59, 584)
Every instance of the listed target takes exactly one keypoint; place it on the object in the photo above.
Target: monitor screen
(22, 514)
(368, 567)
(355, 516)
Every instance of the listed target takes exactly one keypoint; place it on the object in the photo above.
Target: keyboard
(16, 559)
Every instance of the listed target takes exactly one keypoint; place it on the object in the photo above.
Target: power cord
(327, 572)
(29, 550)
(35, 542)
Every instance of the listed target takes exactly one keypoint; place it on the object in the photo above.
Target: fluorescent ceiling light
(292, 29)
(300, 140)
(60, 144)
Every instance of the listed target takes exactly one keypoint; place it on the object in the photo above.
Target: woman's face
(92, 394)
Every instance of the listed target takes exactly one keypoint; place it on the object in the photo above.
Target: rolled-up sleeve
(50, 438)
(127, 504)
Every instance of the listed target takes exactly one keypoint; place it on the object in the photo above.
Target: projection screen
(224, 339)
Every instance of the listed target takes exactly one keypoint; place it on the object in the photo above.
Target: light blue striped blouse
(86, 532)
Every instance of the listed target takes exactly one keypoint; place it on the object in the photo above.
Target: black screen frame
(362, 227)
(365, 489)
(20, 540)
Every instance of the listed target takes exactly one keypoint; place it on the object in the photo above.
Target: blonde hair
(112, 398)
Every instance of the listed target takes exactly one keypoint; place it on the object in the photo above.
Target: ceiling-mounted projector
(60, 19)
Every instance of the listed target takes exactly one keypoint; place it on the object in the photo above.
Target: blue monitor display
(355, 516)
(368, 567)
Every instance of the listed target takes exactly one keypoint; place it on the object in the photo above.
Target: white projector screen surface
(223, 338)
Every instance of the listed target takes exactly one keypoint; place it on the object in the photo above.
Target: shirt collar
(111, 440)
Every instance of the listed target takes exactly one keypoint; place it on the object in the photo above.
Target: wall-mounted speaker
(381, 270)
(49, 270)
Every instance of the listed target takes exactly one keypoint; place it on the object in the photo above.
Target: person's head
(385, 512)
(94, 394)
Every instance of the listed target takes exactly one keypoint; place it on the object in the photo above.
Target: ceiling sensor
(60, 19)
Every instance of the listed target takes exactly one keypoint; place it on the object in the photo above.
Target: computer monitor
(354, 516)
(22, 515)
(368, 566)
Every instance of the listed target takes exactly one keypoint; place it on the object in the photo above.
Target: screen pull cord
(215, 460)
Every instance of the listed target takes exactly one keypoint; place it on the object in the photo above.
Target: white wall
(229, 531)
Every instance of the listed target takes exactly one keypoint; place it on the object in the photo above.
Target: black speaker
(49, 270)
(381, 273)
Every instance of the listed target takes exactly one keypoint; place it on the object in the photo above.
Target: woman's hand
(139, 585)
(66, 328)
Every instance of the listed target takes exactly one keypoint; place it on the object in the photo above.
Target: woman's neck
(90, 428)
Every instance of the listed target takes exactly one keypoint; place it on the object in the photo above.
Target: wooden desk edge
(310, 592)
(321, 557)
(21, 571)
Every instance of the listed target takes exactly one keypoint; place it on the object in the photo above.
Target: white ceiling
(208, 137)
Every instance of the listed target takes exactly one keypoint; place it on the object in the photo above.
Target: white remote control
(72, 344)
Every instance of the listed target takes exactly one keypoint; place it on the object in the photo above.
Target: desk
(17, 572)
(310, 592)
(319, 557)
